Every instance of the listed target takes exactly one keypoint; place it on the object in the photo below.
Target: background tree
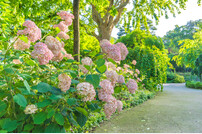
(114, 11)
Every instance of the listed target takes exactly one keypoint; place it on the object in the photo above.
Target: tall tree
(76, 30)
(106, 16)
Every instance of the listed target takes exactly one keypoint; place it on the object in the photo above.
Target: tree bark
(107, 23)
(76, 30)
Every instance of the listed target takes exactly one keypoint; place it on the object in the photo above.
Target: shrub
(194, 84)
(174, 78)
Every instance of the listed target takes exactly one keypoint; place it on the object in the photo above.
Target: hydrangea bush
(43, 89)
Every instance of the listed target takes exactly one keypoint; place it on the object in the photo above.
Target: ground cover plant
(43, 89)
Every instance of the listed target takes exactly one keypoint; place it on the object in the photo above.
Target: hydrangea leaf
(20, 100)
(39, 118)
(59, 119)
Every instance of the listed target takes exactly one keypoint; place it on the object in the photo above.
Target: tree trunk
(104, 32)
(76, 30)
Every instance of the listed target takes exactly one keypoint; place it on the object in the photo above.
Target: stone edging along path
(178, 109)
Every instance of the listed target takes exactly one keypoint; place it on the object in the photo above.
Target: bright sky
(192, 12)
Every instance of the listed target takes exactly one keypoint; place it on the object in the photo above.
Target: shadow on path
(177, 109)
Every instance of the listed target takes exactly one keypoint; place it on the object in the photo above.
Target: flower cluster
(21, 45)
(121, 79)
(85, 61)
(134, 62)
(112, 76)
(116, 52)
(30, 109)
(32, 31)
(110, 66)
(119, 105)
(57, 48)
(106, 91)
(110, 107)
(64, 82)
(132, 86)
(63, 25)
(86, 90)
(42, 53)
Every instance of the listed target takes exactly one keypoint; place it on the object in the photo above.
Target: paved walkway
(177, 109)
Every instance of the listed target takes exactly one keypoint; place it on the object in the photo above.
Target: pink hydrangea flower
(64, 82)
(132, 86)
(42, 53)
(119, 105)
(32, 31)
(107, 86)
(126, 66)
(104, 45)
(86, 90)
(112, 51)
(61, 55)
(135, 75)
(103, 95)
(110, 107)
(110, 65)
(123, 49)
(83, 69)
(16, 61)
(65, 15)
(63, 35)
(121, 79)
(21, 45)
(137, 71)
(62, 26)
(87, 61)
(134, 62)
(112, 75)
(54, 45)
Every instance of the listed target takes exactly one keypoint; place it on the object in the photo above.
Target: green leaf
(52, 128)
(74, 81)
(72, 101)
(59, 119)
(28, 127)
(101, 69)
(82, 110)
(27, 86)
(39, 118)
(2, 106)
(93, 107)
(55, 97)
(3, 131)
(112, 61)
(80, 118)
(72, 120)
(100, 62)
(9, 125)
(24, 38)
(9, 70)
(20, 100)
(44, 103)
(43, 87)
(51, 112)
(93, 79)
(117, 89)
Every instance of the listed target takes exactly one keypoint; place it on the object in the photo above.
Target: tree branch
(95, 15)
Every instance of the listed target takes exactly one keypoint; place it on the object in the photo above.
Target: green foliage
(20, 100)
(194, 84)
(151, 57)
(174, 78)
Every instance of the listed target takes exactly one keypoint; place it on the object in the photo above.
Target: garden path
(177, 109)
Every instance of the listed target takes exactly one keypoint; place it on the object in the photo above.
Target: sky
(192, 12)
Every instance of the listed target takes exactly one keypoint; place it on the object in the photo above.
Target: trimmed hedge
(194, 84)
(174, 78)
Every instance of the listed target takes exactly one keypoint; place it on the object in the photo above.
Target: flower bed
(43, 89)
